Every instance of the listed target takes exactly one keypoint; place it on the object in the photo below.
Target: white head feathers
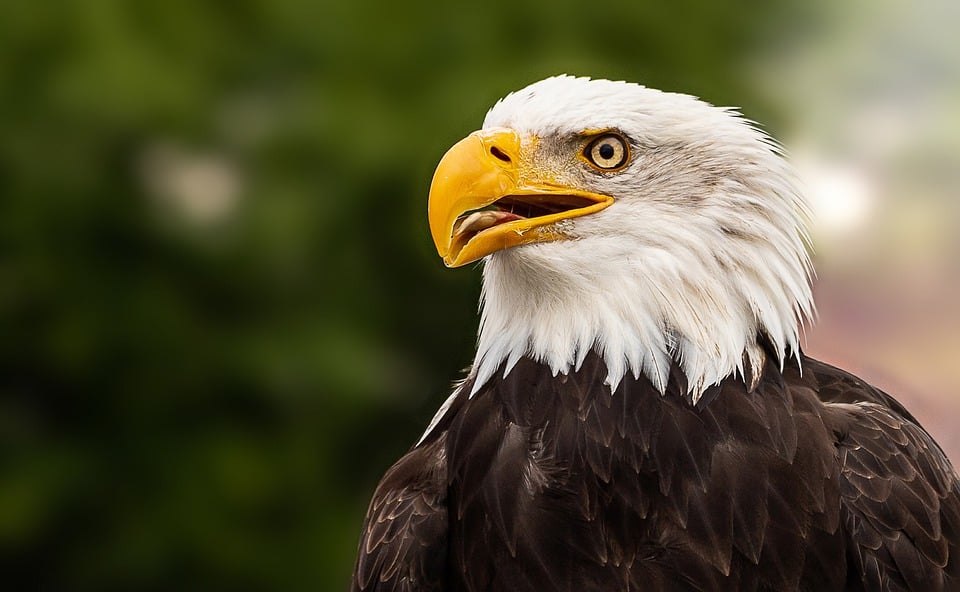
(703, 249)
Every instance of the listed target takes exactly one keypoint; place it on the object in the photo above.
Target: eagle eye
(607, 152)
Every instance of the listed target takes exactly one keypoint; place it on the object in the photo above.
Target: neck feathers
(555, 305)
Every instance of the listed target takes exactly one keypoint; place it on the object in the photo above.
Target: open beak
(481, 202)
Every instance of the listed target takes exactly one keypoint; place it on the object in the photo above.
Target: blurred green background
(222, 317)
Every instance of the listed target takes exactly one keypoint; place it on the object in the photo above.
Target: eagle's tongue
(483, 220)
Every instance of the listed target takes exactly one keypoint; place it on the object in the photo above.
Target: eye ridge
(607, 152)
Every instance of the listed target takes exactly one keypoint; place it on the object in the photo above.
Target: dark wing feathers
(900, 495)
(812, 481)
(906, 523)
(403, 546)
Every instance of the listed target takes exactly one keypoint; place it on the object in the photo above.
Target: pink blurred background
(873, 99)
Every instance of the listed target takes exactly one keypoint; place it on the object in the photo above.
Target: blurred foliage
(222, 317)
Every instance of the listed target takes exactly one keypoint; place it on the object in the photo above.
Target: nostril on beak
(499, 154)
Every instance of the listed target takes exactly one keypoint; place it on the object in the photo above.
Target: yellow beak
(482, 202)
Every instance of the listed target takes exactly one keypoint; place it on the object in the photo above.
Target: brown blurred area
(873, 125)
(898, 329)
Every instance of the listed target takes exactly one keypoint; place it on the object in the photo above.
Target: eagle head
(650, 227)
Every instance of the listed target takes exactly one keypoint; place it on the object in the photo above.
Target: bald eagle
(639, 415)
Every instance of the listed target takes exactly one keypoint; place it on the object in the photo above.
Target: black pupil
(606, 151)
